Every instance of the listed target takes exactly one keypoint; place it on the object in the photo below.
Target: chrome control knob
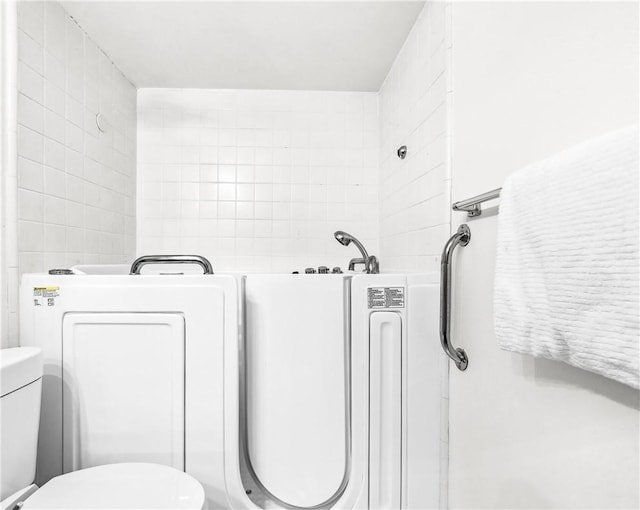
(310, 270)
(336, 270)
(323, 270)
(60, 271)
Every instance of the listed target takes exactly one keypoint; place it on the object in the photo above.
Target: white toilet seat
(120, 486)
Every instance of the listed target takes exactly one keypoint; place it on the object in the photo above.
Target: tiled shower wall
(415, 192)
(414, 109)
(257, 180)
(76, 185)
(8, 175)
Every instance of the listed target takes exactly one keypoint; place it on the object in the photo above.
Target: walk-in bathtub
(278, 390)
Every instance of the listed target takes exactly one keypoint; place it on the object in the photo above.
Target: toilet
(134, 486)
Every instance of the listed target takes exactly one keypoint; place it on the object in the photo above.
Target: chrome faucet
(370, 262)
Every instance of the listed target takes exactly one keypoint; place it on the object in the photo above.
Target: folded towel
(566, 284)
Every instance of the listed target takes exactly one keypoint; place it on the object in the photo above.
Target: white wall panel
(121, 369)
(531, 79)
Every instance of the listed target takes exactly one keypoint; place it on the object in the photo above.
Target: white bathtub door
(297, 385)
(123, 389)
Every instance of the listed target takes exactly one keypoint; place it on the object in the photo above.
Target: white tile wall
(414, 192)
(8, 175)
(257, 180)
(76, 185)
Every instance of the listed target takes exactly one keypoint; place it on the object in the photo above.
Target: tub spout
(370, 262)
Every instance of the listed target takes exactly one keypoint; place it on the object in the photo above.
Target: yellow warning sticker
(45, 296)
(46, 289)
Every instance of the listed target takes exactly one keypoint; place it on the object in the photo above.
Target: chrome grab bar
(171, 259)
(462, 238)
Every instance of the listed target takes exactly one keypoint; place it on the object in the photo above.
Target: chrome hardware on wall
(402, 152)
(462, 238)
(171, 259)
(472, 205)
(102, 123)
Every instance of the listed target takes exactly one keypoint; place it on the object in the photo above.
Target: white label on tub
(385, 297)
(45, 296)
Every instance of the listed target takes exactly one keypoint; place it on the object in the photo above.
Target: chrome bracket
(471, 210)
(472, 205)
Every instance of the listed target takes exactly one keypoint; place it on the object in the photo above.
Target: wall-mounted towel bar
(472, 205)
(462, 238)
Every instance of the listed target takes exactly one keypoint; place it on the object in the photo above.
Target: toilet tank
(20, 385)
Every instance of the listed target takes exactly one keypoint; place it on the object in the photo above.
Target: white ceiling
(301, 45)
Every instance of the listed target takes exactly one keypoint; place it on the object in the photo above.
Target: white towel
(566, 284)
